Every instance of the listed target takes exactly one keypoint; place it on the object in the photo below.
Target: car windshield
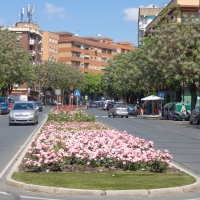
(2, 100)
(23, 106)
(121, 106)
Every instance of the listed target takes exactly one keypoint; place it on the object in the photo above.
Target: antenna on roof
(22, 14)
(30, 11)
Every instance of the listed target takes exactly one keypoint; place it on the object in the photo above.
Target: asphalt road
(181, 139)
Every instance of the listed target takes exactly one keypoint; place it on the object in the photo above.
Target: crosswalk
(107, 116)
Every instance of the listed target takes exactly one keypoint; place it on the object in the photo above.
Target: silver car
(118, 110)
(23, 112)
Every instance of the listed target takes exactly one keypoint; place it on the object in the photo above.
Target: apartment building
(31, 39)
(89, 54)
(187, 9)
(145, 17)
(50, 46)
(177, 11)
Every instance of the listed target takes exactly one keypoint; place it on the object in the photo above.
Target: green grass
(122, 180)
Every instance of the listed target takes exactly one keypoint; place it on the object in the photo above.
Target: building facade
(50, 46)
(31, 39)
(145, 17)
(89, 54)
(177, 11)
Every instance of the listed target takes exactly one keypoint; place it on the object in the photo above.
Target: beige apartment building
(188, 9)
(145, 17)
(89, 54)
(50, 46)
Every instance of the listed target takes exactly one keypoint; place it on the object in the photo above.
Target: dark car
(132, 110)
(4, 105)
(195, 116)
(39, 105)
(93, 105)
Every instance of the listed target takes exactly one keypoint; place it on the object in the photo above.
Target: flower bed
(63, 142)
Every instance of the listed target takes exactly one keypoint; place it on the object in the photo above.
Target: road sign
(161, 94)
(57, 92)
(77, 93)
(72, 95)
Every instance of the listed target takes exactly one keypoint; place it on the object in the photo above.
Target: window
(49, 39)
(103, 50)
(53, 40)
(94, 67)
(99, 68)
(82, 65)
(99, 58)
(50, 49)
(104, 59)
(118, 50)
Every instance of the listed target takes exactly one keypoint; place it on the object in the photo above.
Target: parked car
(132, 110)
(118, 110)
(24, 112)
(4, 105)
(39, 105)
(93, 105)
(195, 116)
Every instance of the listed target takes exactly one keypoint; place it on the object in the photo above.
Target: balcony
(32, 42)
(32, 52)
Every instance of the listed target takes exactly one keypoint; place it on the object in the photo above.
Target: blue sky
(116, 19)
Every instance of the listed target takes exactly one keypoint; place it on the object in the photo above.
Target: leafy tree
(175, 51)
(15, 63)
(57, 75)
(92, 83)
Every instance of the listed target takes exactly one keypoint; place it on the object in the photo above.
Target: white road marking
(5, 193)
(37, 198)
(176, 131)
(15, 156)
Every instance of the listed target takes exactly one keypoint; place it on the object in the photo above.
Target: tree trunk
(192, 89)
(178, 94)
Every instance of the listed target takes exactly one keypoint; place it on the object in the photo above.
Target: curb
(67, 191)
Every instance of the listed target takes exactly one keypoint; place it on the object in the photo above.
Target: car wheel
(127, 116)
(190, 121)
(121, 116)
(108, 114)
(113, 115)
(10, 124)
(197, 122)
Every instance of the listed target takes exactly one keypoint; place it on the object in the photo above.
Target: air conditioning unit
(15, 85)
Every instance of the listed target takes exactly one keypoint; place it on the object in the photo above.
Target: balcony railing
(32, 52)
(32, 41)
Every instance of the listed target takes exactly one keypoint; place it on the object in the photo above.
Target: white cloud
(131, 14)
(53, 10)
(1, 21)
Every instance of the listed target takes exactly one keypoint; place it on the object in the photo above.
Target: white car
(23, 112)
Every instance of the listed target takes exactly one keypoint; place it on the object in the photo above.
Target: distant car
(39, 105)
(24, 112)
(93, 105)
(195, 116)
(118, 110)
(4, 105)
(132, 110)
